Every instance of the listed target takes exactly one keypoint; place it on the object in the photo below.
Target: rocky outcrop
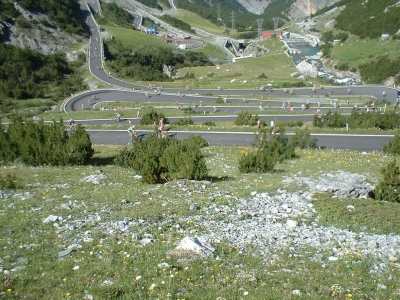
(42, 36)
(255, 6)
(300, 8)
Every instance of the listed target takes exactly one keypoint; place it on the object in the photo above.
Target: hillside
(45, 28)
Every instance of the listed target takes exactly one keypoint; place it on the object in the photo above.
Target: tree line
(66, 13)
(25, 73)
(115, 15)
(369, 19)
(147, 63)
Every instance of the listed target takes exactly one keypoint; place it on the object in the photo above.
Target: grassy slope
(275, 65)
(131, 269)
(356, 51)
(135, 39)
(196, 21)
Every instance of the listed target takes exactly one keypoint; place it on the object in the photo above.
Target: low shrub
(388, 189)
(290, 124)
(153, 117)
(393, 147)
(219, 100)
(303, 140)
(188, 111)
(40, 144)
(209, 124)
(159, 160)
(384, 121)
(245, 118)
(331, 120)
(9, 181)
(184, 122)
(268, 150)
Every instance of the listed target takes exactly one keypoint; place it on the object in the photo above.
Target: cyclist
(132, 131)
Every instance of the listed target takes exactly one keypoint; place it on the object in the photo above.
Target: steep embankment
(34, 29)
(300, 8)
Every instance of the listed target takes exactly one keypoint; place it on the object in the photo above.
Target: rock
(332, 258)
(95, 178)
(67, 251)
(18, 268)
(163, 265)
(296, 292)
(107, 282)
(372, 245)
(291, 224)
(195, 244)
(381, 286)
(64, 252)
(146, 241)
(50, 218)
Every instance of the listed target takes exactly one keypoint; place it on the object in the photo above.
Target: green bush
(152, 117)
(302, 140)
(219, 100)
(184, 122)
(159, 160)
(388, 189)
(384, 121)
(293, 84)
(23, 23)
(289, 124)
(196, 140)
(9, 181)
(245, 118)
(262, 75)
(331, 120)
(209, 124)
(268, 150)
(393, 147)
(259, 160)
(188, 111)
(41, 144)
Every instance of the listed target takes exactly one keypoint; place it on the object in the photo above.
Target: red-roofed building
(270, 34)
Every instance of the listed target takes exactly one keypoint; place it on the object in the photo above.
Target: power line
(259, 23)
(233, 20)
(209, 2)
(276, 22)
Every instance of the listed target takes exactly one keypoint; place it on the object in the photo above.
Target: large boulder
(307, 69)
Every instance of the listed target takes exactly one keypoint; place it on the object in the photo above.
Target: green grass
(356, 51)
(196, 21)
(134, 270)
(244, 73)
(211, 51)
(135, 39)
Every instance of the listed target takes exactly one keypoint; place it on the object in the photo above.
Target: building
(182, 37)
(270, 34)
(151, 30)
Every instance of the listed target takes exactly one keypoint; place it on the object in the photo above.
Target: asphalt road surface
(365, 143)
(126, 92)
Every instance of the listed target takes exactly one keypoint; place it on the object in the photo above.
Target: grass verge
(110, 264)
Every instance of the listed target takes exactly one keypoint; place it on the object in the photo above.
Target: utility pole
(259, 23)
(276, 23)
(233, 20)
(218, 13)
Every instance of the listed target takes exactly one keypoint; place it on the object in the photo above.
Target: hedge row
(40, 144)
